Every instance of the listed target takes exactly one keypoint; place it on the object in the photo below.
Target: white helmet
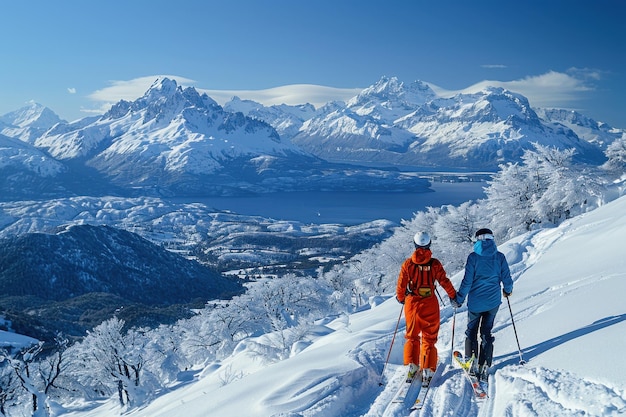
(422, 240)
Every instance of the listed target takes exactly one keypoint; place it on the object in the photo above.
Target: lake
(347, 208)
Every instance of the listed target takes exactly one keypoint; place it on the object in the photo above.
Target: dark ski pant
(482, 321)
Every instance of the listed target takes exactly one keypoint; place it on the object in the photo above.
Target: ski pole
(519, 349)
(438, 295)
(380, 383)
(452, 339)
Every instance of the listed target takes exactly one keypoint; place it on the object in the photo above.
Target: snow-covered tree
(510, 198)
(281, 306)
(110, 360)
(164, 355)
(215, 330)
(23, 364)
(31, 376)
(570, 188)
(51, 368)
(342, 279)
(544, 190)
(424, 221)
(453, 231)
(290, 304)
(616, 154)
(10, 387)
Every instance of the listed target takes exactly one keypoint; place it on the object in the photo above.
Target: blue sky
(77, 57)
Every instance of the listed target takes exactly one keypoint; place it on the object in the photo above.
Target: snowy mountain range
(409, 125)
(175, 141)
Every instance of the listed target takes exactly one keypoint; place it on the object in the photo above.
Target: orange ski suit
(416, 289)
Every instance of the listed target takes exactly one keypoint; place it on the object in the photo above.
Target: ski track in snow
(450, 396)
(553, 393)
(519, 391)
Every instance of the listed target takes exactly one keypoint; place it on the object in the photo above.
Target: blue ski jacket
(486, 274)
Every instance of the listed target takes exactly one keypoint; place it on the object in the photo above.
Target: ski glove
(454, 303)
(398, 300)
(506, 294)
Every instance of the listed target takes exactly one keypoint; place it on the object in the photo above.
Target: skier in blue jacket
(487, 275)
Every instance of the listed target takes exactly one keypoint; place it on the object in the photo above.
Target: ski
(484, 385)
(421, 397)
(479, 390)
(408, 387)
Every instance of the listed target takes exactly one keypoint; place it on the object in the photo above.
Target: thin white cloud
(552, 89)
(71, 90)
(494, 66)
(132, 89)
(316, 95)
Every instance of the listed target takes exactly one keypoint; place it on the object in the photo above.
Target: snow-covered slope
(26, 171)
(586, 128)
(286, 119)
(19, 156)
(569, 315)
(15, 340)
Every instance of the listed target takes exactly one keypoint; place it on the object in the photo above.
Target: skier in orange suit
(416, 290)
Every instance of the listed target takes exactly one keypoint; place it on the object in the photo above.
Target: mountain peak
(32, 115)
(390, 98)
(162, 87)
(391, 89)
(163, 83)
(164, 90)
(29, 122)
(506, 104)
(163, 96)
